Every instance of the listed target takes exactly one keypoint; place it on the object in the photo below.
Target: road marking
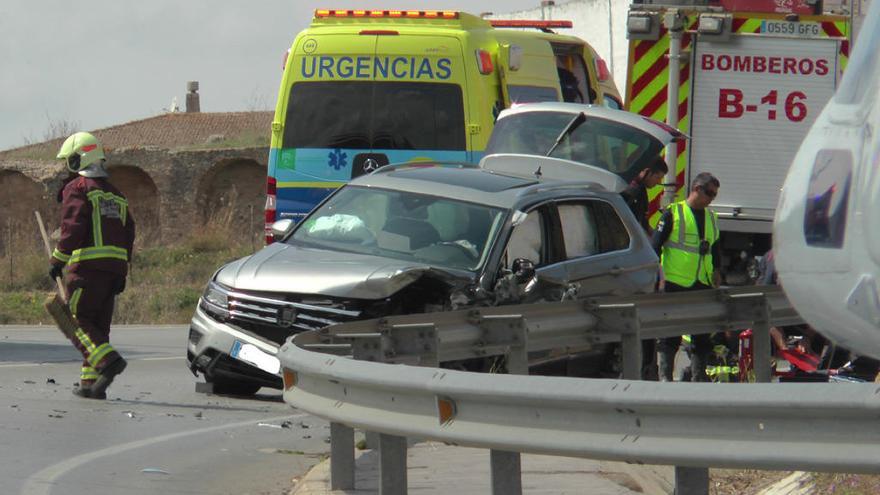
(31, 365)
(42, 482)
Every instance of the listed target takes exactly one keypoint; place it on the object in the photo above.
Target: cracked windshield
(401, 225)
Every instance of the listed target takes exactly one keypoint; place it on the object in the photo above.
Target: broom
(56, 304)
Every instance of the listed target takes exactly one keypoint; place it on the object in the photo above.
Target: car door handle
(616, 270)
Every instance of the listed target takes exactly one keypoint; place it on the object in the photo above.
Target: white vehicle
(827, 225)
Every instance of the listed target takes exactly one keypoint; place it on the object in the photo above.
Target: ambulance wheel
(226, 386)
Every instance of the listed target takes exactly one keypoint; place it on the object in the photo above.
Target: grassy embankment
(164, 285)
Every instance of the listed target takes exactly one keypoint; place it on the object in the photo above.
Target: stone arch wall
(143, 199)
(171, 193)
(232, 193)
(22, 196)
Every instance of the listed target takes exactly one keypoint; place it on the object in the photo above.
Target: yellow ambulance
(364, 88)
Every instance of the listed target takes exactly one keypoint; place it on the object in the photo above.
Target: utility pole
(674, 21)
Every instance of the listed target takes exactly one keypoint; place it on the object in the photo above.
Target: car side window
(578, 230)
(527, 240)
(591, 227)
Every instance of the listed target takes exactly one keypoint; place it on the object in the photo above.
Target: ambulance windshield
(375, 115)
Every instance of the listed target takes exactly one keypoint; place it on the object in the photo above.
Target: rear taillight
(284, 60)
(271, 202)
(602, 71)
(484, 62)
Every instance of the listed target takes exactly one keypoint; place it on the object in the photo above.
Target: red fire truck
(749, 78)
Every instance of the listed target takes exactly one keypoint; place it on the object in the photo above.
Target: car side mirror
(523, 269)
(281, 228)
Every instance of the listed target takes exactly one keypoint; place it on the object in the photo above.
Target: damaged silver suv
(416, 238)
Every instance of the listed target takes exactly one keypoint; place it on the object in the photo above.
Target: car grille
(276, 319)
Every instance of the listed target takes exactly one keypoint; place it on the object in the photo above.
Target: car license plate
(251, 354)
(806, 29)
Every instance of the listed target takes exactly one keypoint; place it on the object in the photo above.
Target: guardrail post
(341, 457)
(691, 481)
(392, 465)
(761, 350)
(623, 319)
(507, 466)
(631, 345)
(506, 472)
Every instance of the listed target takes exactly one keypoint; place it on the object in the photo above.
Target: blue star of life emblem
(337, 159)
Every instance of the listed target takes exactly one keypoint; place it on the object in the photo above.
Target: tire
(226, 386)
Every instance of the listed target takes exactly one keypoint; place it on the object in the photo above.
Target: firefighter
(636, 197)
(97, 236)
(686, 240)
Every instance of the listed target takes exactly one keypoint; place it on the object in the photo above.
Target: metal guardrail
(792, 426)
(437, 337)
(820, 427)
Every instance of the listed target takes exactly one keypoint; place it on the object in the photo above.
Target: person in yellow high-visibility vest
(686, 240)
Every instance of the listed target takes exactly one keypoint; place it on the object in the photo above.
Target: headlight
(216, 296)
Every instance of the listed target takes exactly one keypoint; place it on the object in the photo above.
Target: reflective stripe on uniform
(99, 354)
(58, 255)
(88, 373)
(73, 303)
(95, 197)
(722, 373)
(102, 252)
(94, 353)
(85, 341)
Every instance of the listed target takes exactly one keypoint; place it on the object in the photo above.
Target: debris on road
(154, 471)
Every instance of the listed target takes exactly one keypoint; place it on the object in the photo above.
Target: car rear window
(375, 115)
(610, 145)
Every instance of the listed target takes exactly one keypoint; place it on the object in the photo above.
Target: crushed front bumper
(221, 350)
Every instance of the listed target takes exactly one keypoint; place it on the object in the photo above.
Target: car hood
(281, 267)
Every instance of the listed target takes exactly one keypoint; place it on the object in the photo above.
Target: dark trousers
(91, 297)
(668, 347)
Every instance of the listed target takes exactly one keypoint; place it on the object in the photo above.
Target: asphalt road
(154, 433)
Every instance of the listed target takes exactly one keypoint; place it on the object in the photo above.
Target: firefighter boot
(85, 390)
(106, 377)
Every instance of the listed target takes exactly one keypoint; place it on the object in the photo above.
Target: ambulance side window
(532, 94)
(574, 79)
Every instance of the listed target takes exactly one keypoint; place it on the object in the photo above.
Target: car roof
(464, 182)
(661, 131)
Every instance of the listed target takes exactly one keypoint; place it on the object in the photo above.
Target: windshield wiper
(574, 124)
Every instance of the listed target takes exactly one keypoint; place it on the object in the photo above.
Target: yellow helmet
(83, 154)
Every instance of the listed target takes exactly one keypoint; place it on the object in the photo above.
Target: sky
(91, 64)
